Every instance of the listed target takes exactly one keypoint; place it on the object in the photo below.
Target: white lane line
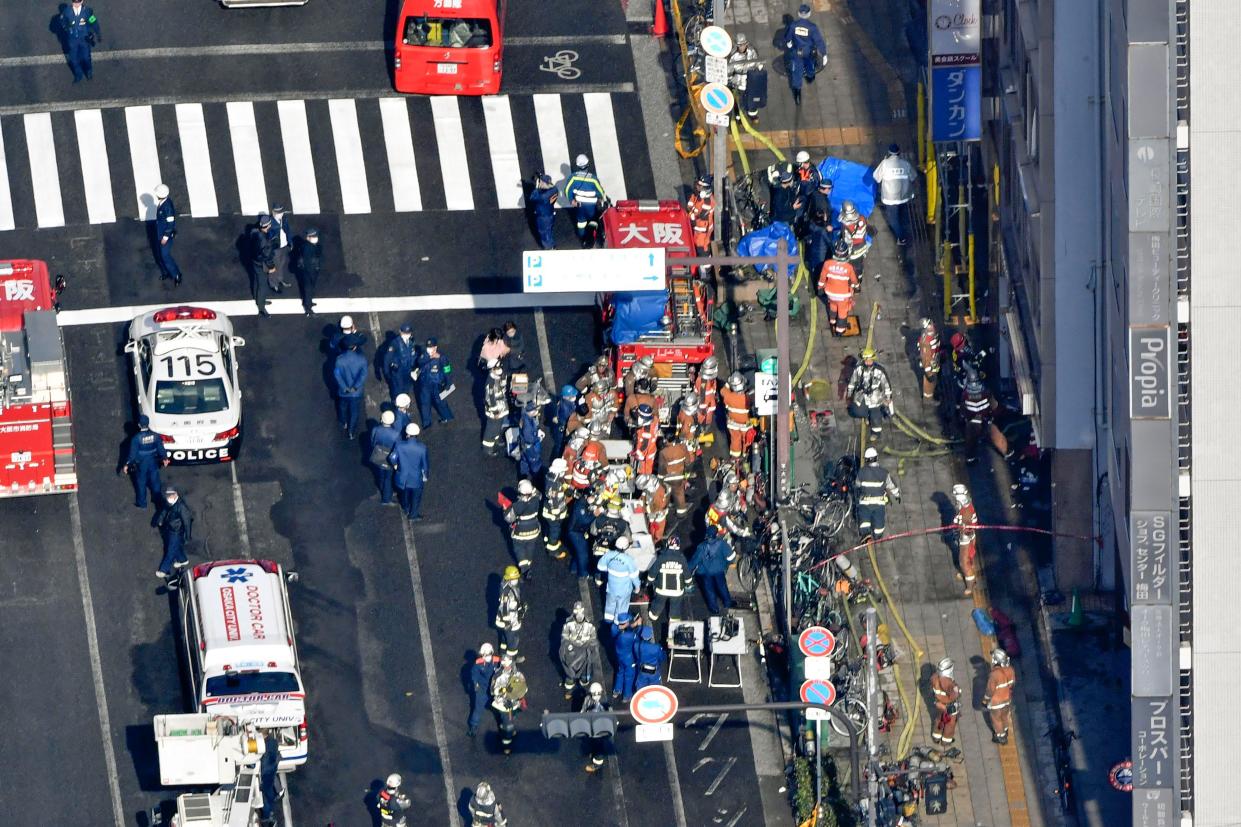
(44, 173)
(182, 53)
(294, 131)
(196, 160)
(293, 307)
(354, 194)
(247, 157)
(503, 144)
(239, 508)
(604, 144)
(399, 142)
(674, 783)
(96, 174)
(96, 663)
(553, 144)
(143, 157)
(454, 165)
(7, 219)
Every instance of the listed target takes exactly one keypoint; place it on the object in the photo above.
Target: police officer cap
(406, 327)
(825, 184)
(312, 233)
(277, 209)
(170, 494)
(894, 149)
(387, 417)
(803, 10)
(786, 176)
(647, 633)
(624, 617)
(433, 342)
(264, 220)
(144, 421)
(412, 429)
(545, 179)
(161, 191)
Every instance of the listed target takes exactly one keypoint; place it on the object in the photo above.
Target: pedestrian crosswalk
(351, 156)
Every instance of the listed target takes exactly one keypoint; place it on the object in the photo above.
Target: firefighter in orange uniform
(701, 209)
(947, 703)
(674, 460)
(687, 418)
(855, 229)
(641, 395)
(838, 282)
(645, 441)
(930, 354)
(655, 496)
(601, 369)
(999, 695)
(737, 404)
(591, 459)
(966, 522)
(707, 386)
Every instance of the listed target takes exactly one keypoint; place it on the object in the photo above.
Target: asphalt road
(375, 596)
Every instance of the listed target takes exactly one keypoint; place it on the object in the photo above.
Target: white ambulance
(241, 649)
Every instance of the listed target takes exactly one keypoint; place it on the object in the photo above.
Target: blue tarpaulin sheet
(765, 241)
(851, 181)
(636, 314)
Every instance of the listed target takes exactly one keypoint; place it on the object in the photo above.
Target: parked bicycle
(1061, 743)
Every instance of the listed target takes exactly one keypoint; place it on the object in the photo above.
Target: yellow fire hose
(699, 132)
(918, 653)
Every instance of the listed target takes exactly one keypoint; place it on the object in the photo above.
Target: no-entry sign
(816, 642)
(653, 705)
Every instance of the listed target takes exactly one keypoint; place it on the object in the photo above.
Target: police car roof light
(166, 438)
(183, 313)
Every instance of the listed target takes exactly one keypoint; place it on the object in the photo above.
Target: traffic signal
(578, 725)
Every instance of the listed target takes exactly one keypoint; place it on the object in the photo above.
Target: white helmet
(558, 467)
(496, 372)
(483, 793)
(402, 400)
(924, 323)
(161, 191)
(412, 429)
(596, 690)
(387, 417)
(724, 501)
(690, 400)
(394, 781)
(803, 157)
(346, 322)
(486, 650)
(622, 543)
(736, 382)
(579, 610)
(645, 482)
(960, 494)
(999, 657)
(871, 455)
(525, 488)
(581, 162)
(945, 667)
(710, 367)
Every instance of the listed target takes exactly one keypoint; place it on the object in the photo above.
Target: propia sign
(1150, 372)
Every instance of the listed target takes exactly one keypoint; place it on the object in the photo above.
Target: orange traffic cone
(660, 27)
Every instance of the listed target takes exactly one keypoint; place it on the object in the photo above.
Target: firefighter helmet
(412, 429)
(871, 455)
(925, 323)
(393, 781)
(868, 353)
(525, 488)
(710, 367)
(724, 501)
(614, 504)
(999, 657)
(402, 400)
(841, 250)
(673, 543)
(596, 690)
(568, 392)
(960, 493)
(736, 382)
(497, 372)
(346, 322)
(848, 211)
(945, 667)
(645, 482)
(558, 468)
(511, 573)
(645, 413)
(690, 400)
(579, 610)
(622, 543)
(581, 162)
(486, 650)
(387, 417)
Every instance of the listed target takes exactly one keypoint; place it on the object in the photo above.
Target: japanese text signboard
(954, 30)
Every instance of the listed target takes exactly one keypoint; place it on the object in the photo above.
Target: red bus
(450, 47)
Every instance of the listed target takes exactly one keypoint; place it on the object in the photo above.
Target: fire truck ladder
(241, 810)
(685, 313)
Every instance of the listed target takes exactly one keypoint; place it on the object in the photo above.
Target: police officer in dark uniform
(580, 520)
(530, 438)
(309, 265)
(434, 377)
(175, 522)
(81, 31)
(384, 438)
(262, 263)
(282, 243)
(165, 232)
(649, 657)
(399, 361)
(804, 50)
(147, 455)
(783, 197)
(350, 375)
(542, 202)
(481, 672)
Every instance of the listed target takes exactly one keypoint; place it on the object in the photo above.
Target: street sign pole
(718, 149)
(783, 444)
(818, 766)
(872, 681)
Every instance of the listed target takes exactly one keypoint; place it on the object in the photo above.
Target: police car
(185, 375)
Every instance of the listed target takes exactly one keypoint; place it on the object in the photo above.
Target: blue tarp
(637, 314)
(851, 181)
(764, 242)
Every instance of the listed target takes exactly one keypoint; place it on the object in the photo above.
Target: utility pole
(872, 726)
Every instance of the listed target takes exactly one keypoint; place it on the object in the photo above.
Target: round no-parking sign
(653, 705)
(816, 642)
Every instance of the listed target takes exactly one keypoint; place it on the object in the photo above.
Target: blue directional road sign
(591, 271)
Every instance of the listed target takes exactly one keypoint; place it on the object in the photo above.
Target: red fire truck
(36, 426)
(673, 326)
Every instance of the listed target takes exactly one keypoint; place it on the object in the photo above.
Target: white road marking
(604, 144)
(293, 307)
(674, 784)
(552, 141)
(7, 220)
(144, 158)
(96, 663)
(247, 157)
(503, 145)
(354, 195)
(96, 173)
(715, 729)
(399, 142)
(454, 164)
(239, 509)
(294, 131)
(196, 160)
(181, 53)
(44, 173)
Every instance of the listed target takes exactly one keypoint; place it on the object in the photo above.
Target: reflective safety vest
(672, 461)
(977, 406)
(873, 485)
(687, 423)
(967, 520)
(701, 211)
(855, 232)
(523, 515)
(929, 351)
(838, 280)
(1000, 687)
(644, 444)
(945, 689)
(708, 391)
